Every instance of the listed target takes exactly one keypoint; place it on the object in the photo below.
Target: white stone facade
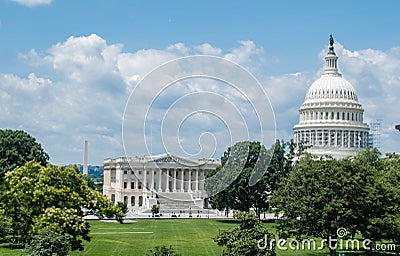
(141, 182)
(331, 118)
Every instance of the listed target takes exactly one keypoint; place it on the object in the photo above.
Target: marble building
(173, 182)
(331, 117)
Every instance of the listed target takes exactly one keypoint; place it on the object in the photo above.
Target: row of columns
(166, 176)
(336, 138)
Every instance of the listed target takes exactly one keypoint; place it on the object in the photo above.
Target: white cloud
(77, 89)
(208, 49)
(32, 3)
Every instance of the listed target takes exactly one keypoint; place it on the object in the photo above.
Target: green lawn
(187, 236)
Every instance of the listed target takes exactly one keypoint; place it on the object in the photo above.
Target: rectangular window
(125, 200)
(339, 138)
(132, 185)
(351, 139)
(125, 185)
(132, 200)
(332, 140)
(113, 175)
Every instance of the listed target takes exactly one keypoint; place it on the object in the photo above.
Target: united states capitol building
(172, 182)
(331, 122)
(331, 117)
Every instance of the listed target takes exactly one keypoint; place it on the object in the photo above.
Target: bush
(162, 251)
(48, 243)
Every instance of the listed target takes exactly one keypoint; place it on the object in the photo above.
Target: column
(197, 181)
(144, 179)
(167, 181)
(159, 180)
(336, 132)
(343, 132)
(174, 181)
(190, 181)
(152, 180)
(182, 180)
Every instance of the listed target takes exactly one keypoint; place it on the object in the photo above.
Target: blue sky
(52, 89)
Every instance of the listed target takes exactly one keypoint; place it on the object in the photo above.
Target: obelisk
(85, 159)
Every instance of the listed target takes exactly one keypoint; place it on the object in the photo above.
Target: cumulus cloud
(77, 89)
(90, 84)
(32, 3)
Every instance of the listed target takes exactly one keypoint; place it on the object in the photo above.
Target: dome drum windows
(332, 138)
(326, 138)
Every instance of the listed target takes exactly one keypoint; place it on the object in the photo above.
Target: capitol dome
(331, 117)
(331, 87)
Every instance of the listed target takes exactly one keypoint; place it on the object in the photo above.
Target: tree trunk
(332, 246)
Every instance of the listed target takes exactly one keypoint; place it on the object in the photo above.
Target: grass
(187, 237)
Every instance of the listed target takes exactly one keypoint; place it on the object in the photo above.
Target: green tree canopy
(267, 165)
(358, 194)
(18, 148)
(155, 209)
(39, 197)
(248, 239)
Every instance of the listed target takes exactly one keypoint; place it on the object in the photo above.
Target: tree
(162, 251)
(245, 239)
(48, 243)
(18, 148)
(39, 197)
(377, 215)
(323, 195)
(311, 200)
(155, 209)
(269, 166)
(124, 209)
